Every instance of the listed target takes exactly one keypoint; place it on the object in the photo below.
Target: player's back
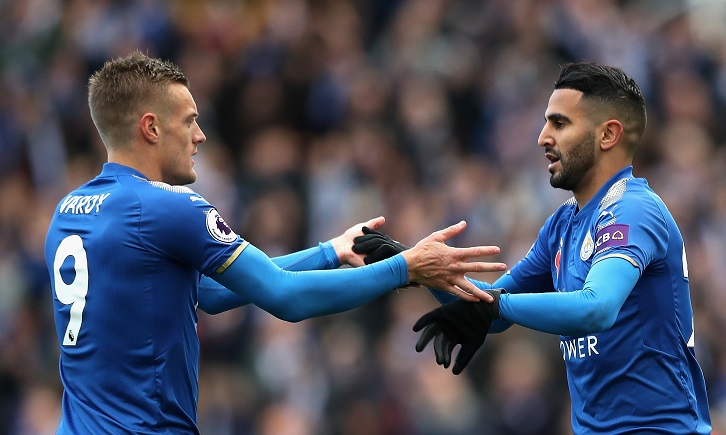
(124, 311)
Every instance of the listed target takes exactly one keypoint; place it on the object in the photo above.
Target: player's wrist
(490, 311)
(410, 258)
(332, 257)
(341, 249)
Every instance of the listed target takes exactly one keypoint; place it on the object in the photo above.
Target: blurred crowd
(323, 113)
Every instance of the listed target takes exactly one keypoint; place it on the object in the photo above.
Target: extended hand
(436, 265)
(458, 322)
(343, 244)
(376, 246)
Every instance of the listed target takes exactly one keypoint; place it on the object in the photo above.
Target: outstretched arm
(294, 296)
(331, 254)
(592, 309)
(214, 298)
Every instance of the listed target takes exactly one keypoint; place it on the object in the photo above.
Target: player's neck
(144, 165)
(590, 186)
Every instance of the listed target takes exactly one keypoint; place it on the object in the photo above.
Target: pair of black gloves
(457, 322)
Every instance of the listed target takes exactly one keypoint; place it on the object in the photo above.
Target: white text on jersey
(82, 204)
(577, 348)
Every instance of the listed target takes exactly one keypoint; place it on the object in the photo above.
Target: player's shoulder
(176, 208)
(628, 192)
(163, 194)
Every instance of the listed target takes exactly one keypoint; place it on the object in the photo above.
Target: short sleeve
(632, 228)
(178, 223)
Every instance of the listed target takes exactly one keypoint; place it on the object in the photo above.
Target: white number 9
(75, 292)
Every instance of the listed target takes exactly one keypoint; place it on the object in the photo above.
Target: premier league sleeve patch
(611, 236)
(218, 228)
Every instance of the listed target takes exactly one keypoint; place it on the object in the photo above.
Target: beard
(575, 164)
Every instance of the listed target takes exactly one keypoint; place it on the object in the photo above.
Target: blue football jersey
(642, 373)
(125, 256)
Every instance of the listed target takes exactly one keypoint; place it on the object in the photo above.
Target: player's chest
(573, 248)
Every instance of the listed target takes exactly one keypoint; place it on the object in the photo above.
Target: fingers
(442, 350)
(476, 251)
(371, 231)
(470, 292)
(448, 349)
(479, 266)
(366, 244)
(463, 358)
(428, 333)
(423, 321)
(375, 223)
(446, 233)
(475, 296)
(383, 252)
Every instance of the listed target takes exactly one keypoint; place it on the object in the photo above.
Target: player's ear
(149, 126)
(609, 134)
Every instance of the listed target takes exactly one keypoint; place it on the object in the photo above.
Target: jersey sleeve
(294, 296)
(591, 309)
(214, 298)
(633, 228)
(319, 257)
(178, 223)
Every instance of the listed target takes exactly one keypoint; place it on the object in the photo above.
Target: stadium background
(323, 113)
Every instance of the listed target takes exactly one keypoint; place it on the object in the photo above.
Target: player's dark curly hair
(611, 87)
(125, 86)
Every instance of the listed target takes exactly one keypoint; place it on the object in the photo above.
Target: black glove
(458, 322)
(376, 246)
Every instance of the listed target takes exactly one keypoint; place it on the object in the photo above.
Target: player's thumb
(376, 223)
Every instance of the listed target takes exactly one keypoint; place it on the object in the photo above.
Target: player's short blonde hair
(123, 88)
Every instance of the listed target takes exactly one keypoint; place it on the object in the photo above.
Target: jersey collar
(114, 169)
(626, 172)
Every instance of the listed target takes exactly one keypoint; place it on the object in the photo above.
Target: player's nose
(198, 137)
(545, 139)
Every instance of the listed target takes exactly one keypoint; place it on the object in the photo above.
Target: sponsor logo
(579, 348)
(611, 236)
(218, 228)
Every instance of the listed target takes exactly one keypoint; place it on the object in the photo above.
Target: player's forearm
(319, 257)
(592, 309)
(214, 298)
(295, 296)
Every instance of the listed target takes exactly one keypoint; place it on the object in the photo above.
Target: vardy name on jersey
(83, 204)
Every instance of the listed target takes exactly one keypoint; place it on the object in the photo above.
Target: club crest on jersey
(558, 259)
(588, 245)
(218, 228)
(611, 236)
